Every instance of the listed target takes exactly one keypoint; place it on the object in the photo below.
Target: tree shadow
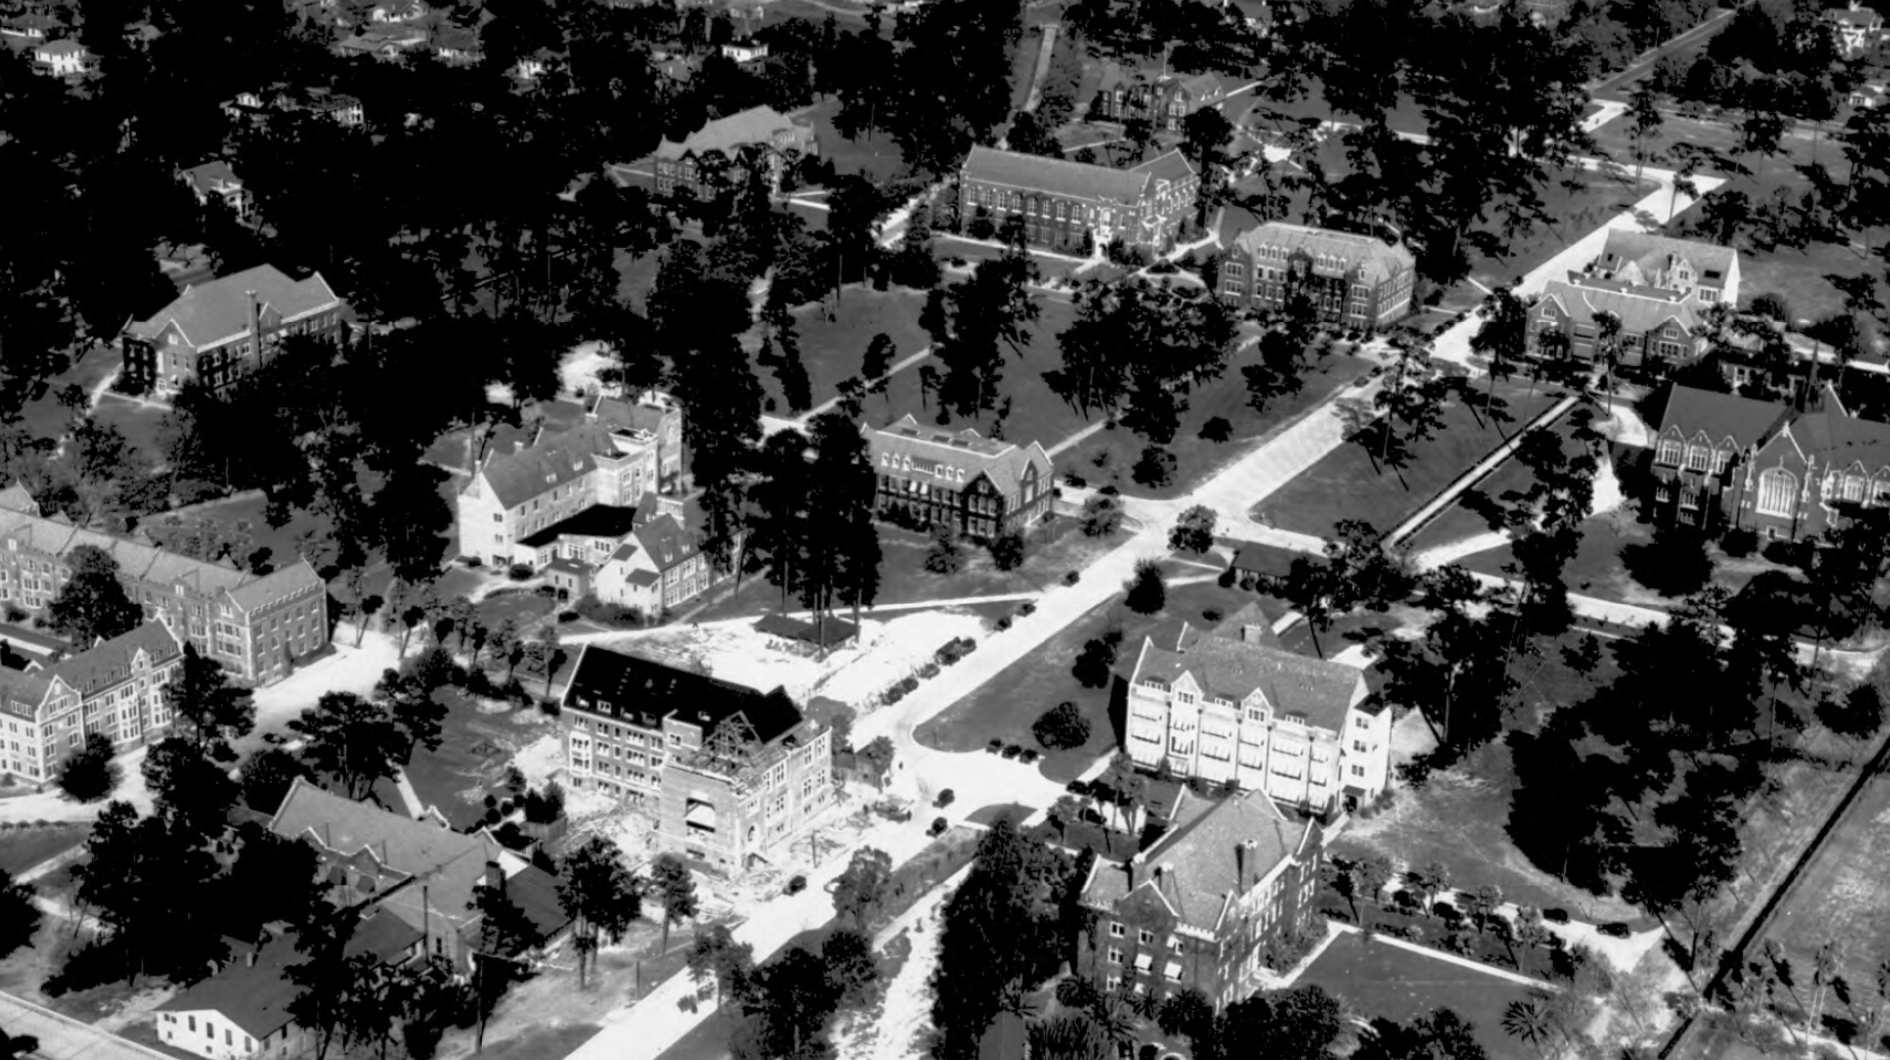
(1119, 708)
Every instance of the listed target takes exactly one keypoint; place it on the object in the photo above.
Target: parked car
(994, 746)
(1012, 750)
(938, 827)
(945, 798)
(1028, 755)
(797, 885)
(1614, 929)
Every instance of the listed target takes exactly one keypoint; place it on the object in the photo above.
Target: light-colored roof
(1375, 259)
(108, 662)
(62, 47)
(1320, 691)
(207, 177)
(1058, 176)
(756, 125)
(276, 585)
(928, 448)
(151, 564)
(665, 541)
(1641, 309)
(15, 498)
(517, 475)
(1170, 166)
(218, 311)
(1651, 253)
(1196, 871)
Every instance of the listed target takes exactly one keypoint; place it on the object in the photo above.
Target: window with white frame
(1776, 489)
(1721, 458)
(1669, 453)
(1116, 930)
(1698, 456)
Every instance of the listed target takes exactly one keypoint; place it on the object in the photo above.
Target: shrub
(1102, 514)
(1154, 468)
(939, 825)
(797, 885)
(1226, 580)
(1007, 550)
(1028, 607)
(945, 798)
(1011, 750)
(1216, 429)
(519, 572)
(1614, 929)
(994, 746)
(590, 607)
(929, 670)
(1075, 482)
(567, 616)
(89, 774)
(1739, 543)
(1555, 915)
(1061, 728)
(1028, 755)
(1072, 577)
(1147, 592)
(1210, 614)
(549, 707)
(1003, 623)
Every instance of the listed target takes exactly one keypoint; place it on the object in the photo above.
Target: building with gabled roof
(1858, 28)
(223, 329)
(1124, 93)
(729, 775)
(215, 177)
(114, 687)
(1706, 271)
(1352, 280)
(1230, 706)
(30, 26)
(717, 157)
(1207, 908)
(982, 486)
(1067, 205)
(1722, 462)
(659, 568)
(257, 626)
(1658, 326)
(63, 58)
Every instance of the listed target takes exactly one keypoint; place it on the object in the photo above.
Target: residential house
(219, 331)
(1868, 95)
(1207, 908)
(418, 871)
(659, 569)
(399, 11)
(115, 687)
(384, 40)
(1659, 327)
(1858, 28)
(256, 626)
(1164, 98)
(343, 109)
(1073, 206)
(457, 44)
(1792, 479)
(31, 27)
(1704, 271)
(217, 178)
(531, 67)
(243, 1010)
(729, 776)
(718, 156)
(982, 486)
(1705, 442)
(1231, 706)
(1545, 12)
(63, 58)
(745, 52)
(1257, 15)
(606, 459)
(1352, 280)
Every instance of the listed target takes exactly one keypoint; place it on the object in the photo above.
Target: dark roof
(1199, 863)
(1746, 421)
(646, 692)
(1059, 176)
(928, 453)
(805, 630)
(255, 997)
(1318, 690)
(1841, 440)
(1171, 167)
(213, 312)
(384, 935)
(535, 892)
(602, 520)
(663, 540)
(1375, 259)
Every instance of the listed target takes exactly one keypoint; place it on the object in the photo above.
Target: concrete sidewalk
(64, 1038)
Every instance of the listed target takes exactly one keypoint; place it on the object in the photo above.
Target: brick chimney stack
(495, 877)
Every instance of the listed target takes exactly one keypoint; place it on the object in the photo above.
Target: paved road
(62, 1038)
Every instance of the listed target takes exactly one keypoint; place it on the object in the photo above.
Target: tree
(1309, 586)
(1194, 530)
(600, 895)
(1205, 134)
(1503, 337)
(210, 712)
(1155, 468)
(1102, 515)
(1531, 1020)
(19, 914)
(409, 699)
(191, 791)
(1608, 349)
(716, 954)
(92, 605)
(1188, 1013)
(675, 889)
(1856, 715)
(945, 556)
(859, 890)
(89, 774)
(354, 741)
(1645, 121)
(1147, 593)
(877, 363)
(546, 652)
(1061, 728)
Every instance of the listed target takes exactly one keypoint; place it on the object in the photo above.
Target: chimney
(255, 329)
(1128, 867)
(495, 877)
(1250, 633)
(249, 959)
(1166, 874)
(1246, 865)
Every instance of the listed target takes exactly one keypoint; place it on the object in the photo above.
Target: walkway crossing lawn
(25, 846)
(1004, 707)
(1348, 484)
(1380, 979)
(45, 418)
(832, 350)
(1109, 456)
(1585, 201)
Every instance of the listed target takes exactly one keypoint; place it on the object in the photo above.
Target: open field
(1382, 979)
(1348, 483)
(1588, 199)
(44, 418)
(1004, 707)
(22, 848)
(832, 350)
(873, 154)
(139, 424)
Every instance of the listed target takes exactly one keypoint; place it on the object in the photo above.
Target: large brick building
(1352, 280)
(717, 157)
(256, 626)
(1661, 289)
(1206, 908)
(1232, 705)
(1166, 99)
(1724, 462)
(982, 486)
(223, 329)
(729, 776)
(1065, 203)
(115, 687)
(617, 454)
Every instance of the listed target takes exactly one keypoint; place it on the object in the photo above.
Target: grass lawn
(874, 154)
(1005, 707)
(1347, 484)
(44, 418)
(22, 848)
(1379, 978)
(138, 423)
(833, 349)
(520, 605)
(1841, 896)
(1109, 455)
(1577, 210)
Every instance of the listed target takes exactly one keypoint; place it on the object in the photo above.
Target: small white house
(62, 58)
(216, 178)
(745, 51)
(241, 1012)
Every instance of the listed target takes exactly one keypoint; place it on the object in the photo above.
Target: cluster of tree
(973, 322)
(812, 516)
(1407, 409)
(1779, 58)
(785, 1007)
(1193, 37)
(1137, 348)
